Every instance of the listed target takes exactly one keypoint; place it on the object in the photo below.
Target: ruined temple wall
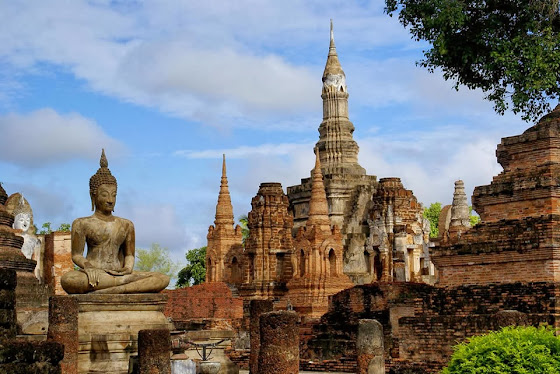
(526, 204)
(506, 267)
(422, 323)
(57, 260)
(502, 252)
(206, 301)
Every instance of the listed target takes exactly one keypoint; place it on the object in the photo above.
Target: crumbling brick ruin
(517, 239)
(369, 231)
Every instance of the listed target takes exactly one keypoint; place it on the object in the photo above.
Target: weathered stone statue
(31, 247)
(22, 221)
(107, 267)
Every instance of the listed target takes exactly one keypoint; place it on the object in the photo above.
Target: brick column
(279, 350)
(369, 347)
(154, 351)
(63, 328)
(256, 308)
(7, 304)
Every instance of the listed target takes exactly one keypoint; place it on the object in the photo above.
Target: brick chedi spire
(224, 209)
(337, 149)
(318, 206)
(223, 238)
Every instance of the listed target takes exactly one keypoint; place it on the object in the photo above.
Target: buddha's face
(105, 198)
(22, 222)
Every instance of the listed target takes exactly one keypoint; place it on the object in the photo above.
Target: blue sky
(166, 87)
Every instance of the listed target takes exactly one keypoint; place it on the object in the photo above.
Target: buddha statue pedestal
(32, 297)
(107, 328)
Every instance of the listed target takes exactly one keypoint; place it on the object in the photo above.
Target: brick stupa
(268, 249)
(318, 258)
(32, 297)
(519, 234)
(223, 239)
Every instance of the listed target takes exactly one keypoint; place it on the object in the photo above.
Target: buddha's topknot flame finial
(103, 161)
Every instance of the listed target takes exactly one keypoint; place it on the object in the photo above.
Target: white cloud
(48, 204)
(45, 136)
(199, 61)
(262, 150)
(430, 162)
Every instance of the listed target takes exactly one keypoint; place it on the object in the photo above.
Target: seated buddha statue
(109, 262)
(31, 248)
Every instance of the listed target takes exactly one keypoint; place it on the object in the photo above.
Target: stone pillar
(279, 350)
(7, 304)
(256, 308)
(369, 347)
(63, 328)
(154, 351)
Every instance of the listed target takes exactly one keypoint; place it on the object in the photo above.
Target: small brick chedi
(517, 239)
(224, 241)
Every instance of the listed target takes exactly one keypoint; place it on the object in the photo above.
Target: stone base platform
(108, 328)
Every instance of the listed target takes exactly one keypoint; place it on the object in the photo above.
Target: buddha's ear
(92, 196)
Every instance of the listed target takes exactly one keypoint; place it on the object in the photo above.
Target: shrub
(519, 350)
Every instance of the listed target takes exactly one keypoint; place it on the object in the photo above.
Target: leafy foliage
(510, 350)
(507, 48)
(45, 228)
(243, 222)
(195, 271)
(155, 259)
(474, 219)
(64, 227)
(432, 214)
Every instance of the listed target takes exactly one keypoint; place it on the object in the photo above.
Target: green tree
(45, 228)
(510, 350)
(155, 259)
(507, 48)
(195, 271)
(64, 227)
(474, 218)
(243, 222)
(432, 214)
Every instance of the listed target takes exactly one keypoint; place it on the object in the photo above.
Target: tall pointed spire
(333, 68)
(337, 149)
(318, 206)
(224, 209)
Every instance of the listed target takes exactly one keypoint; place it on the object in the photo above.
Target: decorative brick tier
(528, 185)
(502, 252)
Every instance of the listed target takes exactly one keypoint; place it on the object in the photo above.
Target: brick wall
(20, 356)
(58, 259)
(422, 323)
(206, 301)
(502, 252)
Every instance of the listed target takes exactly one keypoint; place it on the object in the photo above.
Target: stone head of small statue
(22, 216)
(22, 222)
(103, 188)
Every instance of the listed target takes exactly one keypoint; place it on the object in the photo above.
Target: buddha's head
(103, 188)
(22, 216)
(22, 222)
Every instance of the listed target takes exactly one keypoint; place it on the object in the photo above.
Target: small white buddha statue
(31, 248)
